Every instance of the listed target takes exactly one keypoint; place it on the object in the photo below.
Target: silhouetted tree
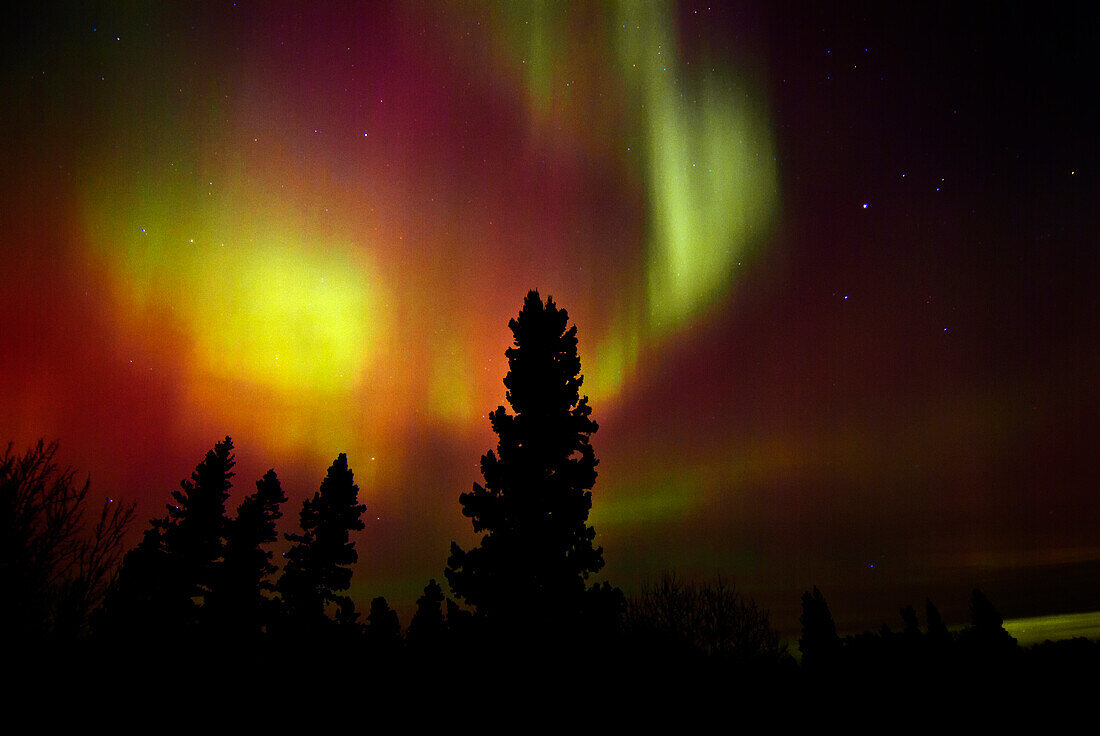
(939, 638)
(537, 549)
(819, 642)
(986, 636)
(237, 605)
(427, 628)
(383, 628)
(318, 564)
(347, 618)
(195, 525)
(165, 580)
(147, 601)
(347, 633)
(909, 645)
(714, 619)
(54, 570)
(604, 608)
(461, 625)
(983, 616)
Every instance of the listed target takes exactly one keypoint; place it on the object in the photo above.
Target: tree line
(201, 579)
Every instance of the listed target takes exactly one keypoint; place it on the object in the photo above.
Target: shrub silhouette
(686, 619)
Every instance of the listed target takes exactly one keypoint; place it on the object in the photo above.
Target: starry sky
(833, 267)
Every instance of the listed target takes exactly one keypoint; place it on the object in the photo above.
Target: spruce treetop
(319, 561)
(537, 549)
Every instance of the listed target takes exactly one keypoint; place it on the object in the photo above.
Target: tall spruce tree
(383, 633)
(537, 548)
(166, 579)
(146, 604)
(820, 645)
(318, 564)
(938, 636)
(237, 605)
(986, 636)
(427, 628)
(195, 525)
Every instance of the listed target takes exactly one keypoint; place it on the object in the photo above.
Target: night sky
(833, 268)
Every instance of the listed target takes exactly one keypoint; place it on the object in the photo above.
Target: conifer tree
(537, 548)
(909, 618)
(383, 628)
(146, 600)
(819, 642)
(986, 634)
(167, 577)
(461, 625)
(938, 635)
(195, 524)
(237, 605)
(427, 627)
(318, 564)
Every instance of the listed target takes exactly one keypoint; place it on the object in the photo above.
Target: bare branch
(55, 569)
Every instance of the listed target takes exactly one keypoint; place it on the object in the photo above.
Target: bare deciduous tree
(54, 569)
(713, 619)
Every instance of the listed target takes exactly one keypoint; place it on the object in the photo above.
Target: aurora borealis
(833, 271)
